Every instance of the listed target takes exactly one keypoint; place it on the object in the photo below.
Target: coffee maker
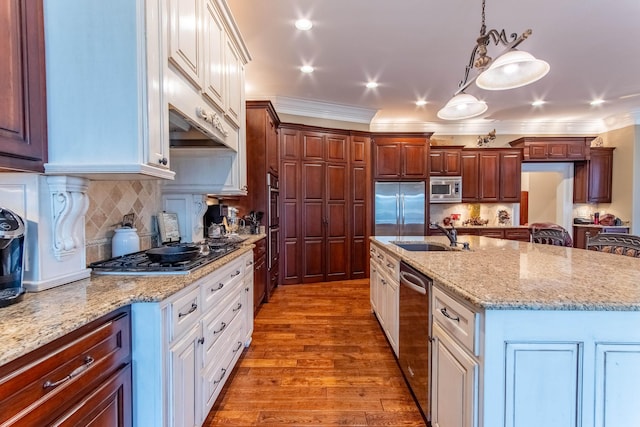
(11, 257)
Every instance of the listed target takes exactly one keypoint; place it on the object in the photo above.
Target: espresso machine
(11, 257)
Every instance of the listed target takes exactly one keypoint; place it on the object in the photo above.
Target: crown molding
(331, 111)
(322, 110)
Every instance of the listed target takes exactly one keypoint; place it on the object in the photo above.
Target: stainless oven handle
(413, 282)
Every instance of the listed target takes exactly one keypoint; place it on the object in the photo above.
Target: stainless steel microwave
(445, 189)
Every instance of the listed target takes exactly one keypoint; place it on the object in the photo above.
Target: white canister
(125, 241)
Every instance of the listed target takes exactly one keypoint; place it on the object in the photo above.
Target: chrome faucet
(452, 234)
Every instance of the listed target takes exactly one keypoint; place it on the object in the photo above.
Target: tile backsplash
(109, 201)
(488, 211)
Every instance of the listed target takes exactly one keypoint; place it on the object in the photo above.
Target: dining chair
(614, 243)
(556, 236)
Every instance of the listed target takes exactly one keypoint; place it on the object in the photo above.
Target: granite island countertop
(507, 275)
(41, 317)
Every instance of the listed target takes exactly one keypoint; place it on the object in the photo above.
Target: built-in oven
(414, 347)
(445, 189)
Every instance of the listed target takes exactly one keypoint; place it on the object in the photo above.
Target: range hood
(205, 131)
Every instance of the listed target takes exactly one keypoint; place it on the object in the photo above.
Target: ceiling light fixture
(306, 69)
(421, 102)
(538, 103)
(596, 102)
(513, 68)
(304, 24)
(372, 85)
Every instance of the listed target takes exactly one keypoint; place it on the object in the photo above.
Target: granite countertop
(505, 274)
(41, 317)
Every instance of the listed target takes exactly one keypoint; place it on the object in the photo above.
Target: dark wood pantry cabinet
(23, 106)
(592, 181)
(553, 148)
(324, 204)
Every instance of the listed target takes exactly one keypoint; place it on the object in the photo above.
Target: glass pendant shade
(513, 69)
(462, 106)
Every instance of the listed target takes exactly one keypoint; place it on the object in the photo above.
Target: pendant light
(512, 69)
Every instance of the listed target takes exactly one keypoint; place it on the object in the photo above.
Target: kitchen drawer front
(392, 266)
(260, 249)
(41, 388)
(456, 319)
(221, 282)
(377, 255)
(219, 370)
(218, 322)
(248, 263)
(184, 312)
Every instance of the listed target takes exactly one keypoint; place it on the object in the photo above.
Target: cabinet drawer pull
(390, 265)
(220, 286)
(249, 263)
(201, 340)
(222, 326)
(380, 256)
(236, 273)
(238, 307)
(446, 314)
(193, 308)
(88, 360)
(238, 347)
(224, 372)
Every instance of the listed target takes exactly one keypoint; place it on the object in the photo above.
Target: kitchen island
(542, 335)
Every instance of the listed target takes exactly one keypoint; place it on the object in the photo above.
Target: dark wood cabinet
(520, 234)
(580, 232)
(491, 175)
(263, 164)
(324, 191)
(260, 276)
(83, 378)
(23, 109)
(401, 156)
(554, 149)
(592, 182)
(508, 233)
(445, 161)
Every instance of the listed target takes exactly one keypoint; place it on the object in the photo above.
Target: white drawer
(219, 370)
(222, 281)
(377, 255)
(456, 319)
(392, 266)
(184, 312)
(217, 322)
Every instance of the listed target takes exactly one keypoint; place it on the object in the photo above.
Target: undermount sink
(421, 247)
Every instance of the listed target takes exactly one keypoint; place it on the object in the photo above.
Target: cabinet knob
(163, 161)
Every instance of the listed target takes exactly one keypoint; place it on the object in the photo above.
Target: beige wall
(624, 183)
(108, 202)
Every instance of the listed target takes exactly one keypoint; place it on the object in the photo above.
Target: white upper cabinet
(107, 112)
(206, 58)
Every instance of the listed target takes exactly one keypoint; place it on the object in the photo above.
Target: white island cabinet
(106, 109)
(529, 335)
(185, 347)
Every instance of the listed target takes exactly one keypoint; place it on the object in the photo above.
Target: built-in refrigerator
(399, 208)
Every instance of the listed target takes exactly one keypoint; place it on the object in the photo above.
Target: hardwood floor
(318, 358)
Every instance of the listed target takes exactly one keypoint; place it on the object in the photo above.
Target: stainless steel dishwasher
(414, 349)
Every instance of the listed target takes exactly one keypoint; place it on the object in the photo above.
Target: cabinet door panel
(214, 56)
(470, 192)
(538, 151)
(337, 149)
(510, 177)
(337, 218)
(312, 146)
(289, 225)
(436, 163)
(359, 150)
(359, 184)
(600, 175)
(185, 366)
(184, 39)
(414, 161)
(387, 158)
(489, 176)
(557, 151)
(359, 256)
(313, 220)
(289, 143)
(23, 110)
(337, 183)
(291, 256)
(580, 181)
(312, 181)
(312, 260)
(497, 234)
(272, 145)
(337, 251)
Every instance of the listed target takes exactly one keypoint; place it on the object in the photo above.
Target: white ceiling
(419, 49)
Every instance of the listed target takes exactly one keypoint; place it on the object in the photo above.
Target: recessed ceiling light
(421, 102)
(372, 85)
(304, 24)
(597, 102)
(538, 103)
(306, 69)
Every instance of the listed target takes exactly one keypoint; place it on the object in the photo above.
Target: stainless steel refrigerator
(399, 208)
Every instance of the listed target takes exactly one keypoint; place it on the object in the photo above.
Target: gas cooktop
(138, 263)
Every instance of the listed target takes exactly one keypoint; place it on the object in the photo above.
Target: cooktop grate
(138, 263)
